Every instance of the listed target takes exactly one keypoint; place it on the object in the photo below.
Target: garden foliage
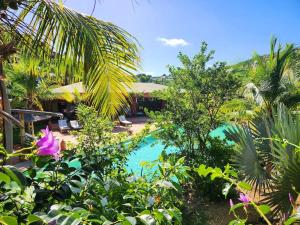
(90, 184)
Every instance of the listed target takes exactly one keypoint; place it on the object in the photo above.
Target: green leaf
(236, 206)
(70, 220)
(8, 220)
(245, 186)
(203, 171)
(32, 219)
(165, 184)
(4, 178)
(290, 221)
(216, 173)
(144, 163)
(158, 215)
(264, 209)
(226, 189)
(15, 175)
(131, 220)
(147, 219)
(237, 222)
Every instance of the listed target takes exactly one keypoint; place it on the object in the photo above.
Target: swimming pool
(152, 147)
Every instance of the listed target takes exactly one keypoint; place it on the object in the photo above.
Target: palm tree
(269, 158)
(269, 76)
(47, 29)
(30, 83)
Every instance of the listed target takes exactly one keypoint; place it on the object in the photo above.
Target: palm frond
(270, 71)
(56, 31)
(250, 161)
(269, 158)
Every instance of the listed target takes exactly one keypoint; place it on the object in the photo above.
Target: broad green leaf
(32, 219)
(245, 186)
(15, 175)
(203, 171)
(131, 220)
(290, 221)
(4, 178)
(216, 173)
(8, 220)
(264, 209)
(176, 213)
(166, 214)
(158, 215)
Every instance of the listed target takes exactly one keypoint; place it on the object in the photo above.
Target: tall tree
(30, 83)
(193, 101)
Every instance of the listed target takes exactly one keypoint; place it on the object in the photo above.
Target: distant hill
(243, 69)
(146, 78)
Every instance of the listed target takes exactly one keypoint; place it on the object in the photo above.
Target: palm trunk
(6, 126)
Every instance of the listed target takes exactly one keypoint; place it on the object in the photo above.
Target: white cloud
(173, 42)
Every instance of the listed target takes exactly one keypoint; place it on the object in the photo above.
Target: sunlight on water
(152, 147)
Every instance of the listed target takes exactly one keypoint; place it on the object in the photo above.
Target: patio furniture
(75, 124)
(63, 125)
(124, 121)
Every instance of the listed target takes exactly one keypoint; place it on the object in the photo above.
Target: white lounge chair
(75, 125)
(63, 125)
(124, 121)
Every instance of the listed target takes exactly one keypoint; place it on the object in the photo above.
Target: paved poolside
(138, 124)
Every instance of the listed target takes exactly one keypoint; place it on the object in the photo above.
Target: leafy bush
(231, 177)
(194, 100)
(268, 157)
(218, 154)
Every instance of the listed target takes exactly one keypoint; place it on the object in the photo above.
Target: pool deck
(138, 124)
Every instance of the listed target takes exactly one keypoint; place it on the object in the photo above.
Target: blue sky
(233, 28)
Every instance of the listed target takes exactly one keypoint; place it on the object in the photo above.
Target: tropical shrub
(218, 154)
(268, 157)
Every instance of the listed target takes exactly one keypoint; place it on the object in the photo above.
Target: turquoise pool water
(152, 147)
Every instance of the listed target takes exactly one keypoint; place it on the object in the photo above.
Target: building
(141, 97)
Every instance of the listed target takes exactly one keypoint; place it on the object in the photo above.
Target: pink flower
(48, 145)
(244, 198)
(231, 203)
(291, 199)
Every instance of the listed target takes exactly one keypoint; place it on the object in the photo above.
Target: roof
(71, 88)
(136, 88)
(146, 88)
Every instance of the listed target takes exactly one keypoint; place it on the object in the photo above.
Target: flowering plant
(48, 145)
